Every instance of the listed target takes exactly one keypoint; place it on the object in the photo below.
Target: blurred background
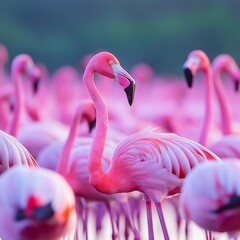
(160, 33)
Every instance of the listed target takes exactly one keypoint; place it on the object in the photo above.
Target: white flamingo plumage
(35, 204)
(211, 196)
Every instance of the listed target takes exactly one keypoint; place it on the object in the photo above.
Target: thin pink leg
(129, 219)
(149, 217)
(114, 234)
(162, 220)
(86, 221)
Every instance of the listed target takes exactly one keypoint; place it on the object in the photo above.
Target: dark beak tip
(36, 85)
(130, 91)
(188, 76)
(237, 85)
(91, 125)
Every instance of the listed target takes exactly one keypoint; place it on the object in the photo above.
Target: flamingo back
(158, 161)
(12, 152)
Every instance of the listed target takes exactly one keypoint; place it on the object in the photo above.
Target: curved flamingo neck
(62, 167)
(19, 103)
(97, 176)
(209, 114)
(225, 108)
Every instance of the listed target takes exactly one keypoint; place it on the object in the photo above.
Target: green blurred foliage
(160, 33)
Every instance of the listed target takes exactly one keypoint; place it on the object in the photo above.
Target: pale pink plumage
(12, 152)
(35, 204)
(211, 195)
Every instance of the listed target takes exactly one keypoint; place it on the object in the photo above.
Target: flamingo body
(212, 201)
(35, 204)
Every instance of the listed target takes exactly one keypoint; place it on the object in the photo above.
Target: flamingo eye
(111, 62)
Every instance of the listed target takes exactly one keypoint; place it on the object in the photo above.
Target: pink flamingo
(35, 204)
(22, 65)
(198, 61)
(37, 135)
(225, 63)
(73, 162)
(162, 160)
(210, 196)
(228, 145)
(65, 92)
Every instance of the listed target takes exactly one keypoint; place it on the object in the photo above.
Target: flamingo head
(24, 65)
(107, 65)
(197, 60)
(226, 63)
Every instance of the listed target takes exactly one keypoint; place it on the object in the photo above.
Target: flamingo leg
(86, 222)
(162, 220)
(128, 214)
(114, 234)
(149, 217)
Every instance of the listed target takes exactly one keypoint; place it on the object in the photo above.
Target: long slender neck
(19, 103)
(209, 114)
(225, 108)
(96, 174)
(62, 167)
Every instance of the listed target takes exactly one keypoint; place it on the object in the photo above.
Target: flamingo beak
(188, 76)
(91, 125)
(236, 85)
(36, 85)
(126, 81)
(38, 213)
(190, 68)
(234, 202)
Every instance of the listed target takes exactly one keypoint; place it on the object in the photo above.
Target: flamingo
(228, 145)
(35, 204)
(225, 63)
(22, 65)
(70, 159)
(210, 197)
(35, 135)
(148, 161)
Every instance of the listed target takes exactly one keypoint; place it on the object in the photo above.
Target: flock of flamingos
(79, 157)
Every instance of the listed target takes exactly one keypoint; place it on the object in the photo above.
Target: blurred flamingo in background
(228, 145)
(22, 65)
(211, 197)
(65, 88)
(35, 135)
(35, 204)
(224, 63)
(162, 160)
(198, 61)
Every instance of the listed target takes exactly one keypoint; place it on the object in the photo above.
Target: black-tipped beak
(36, 85)
(39, 213)
(43, 213)
(130, 91)
(188, 76)
(127, 82)
(91, 125)
(234, 202)
(236, 85)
